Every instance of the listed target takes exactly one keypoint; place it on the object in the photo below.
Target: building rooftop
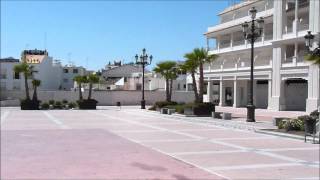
(35, 52)
(238, 6)
(122, 71)
(9, 59)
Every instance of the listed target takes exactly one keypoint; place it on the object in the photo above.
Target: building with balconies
(283, 80)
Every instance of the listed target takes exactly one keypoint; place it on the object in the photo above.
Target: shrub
(161, 104)
(58, 105)
(64, 101)
(72, 105)
(28, 104)
(45, 106)
(179, 108)
(87, 104)
(315, 114)
(51, 102)
(152, 108)
(292, 124)
(201, 108)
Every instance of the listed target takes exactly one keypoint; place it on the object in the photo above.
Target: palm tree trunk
(26, 86)
(170, 93)
(80, 92)
(90, 91)
(35, 96)
(201, 83)
(167, 90)
(195, 89)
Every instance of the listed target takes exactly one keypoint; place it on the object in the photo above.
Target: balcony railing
(304, 26)
(303, 3)
(224, 44)
(268, 37)
(238, 42)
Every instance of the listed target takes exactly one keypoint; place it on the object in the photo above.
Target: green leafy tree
(35, 83)
(27, 71)
(168, 70)
(313, 58)
(191, 66)
(200, 56)
(92, 79)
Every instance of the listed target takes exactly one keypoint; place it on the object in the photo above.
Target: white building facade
(283, 80)
(9, 80)
(51, 73)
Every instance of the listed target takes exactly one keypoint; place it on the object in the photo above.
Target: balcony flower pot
(87, 104)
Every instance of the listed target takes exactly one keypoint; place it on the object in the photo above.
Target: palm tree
(80, 79)
(313, 58)
(92, 79)
(168, 71)
(35, 83)
(191, 66)
(201, 56)
(27, 71)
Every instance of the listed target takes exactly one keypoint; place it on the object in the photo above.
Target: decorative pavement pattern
(134, 144)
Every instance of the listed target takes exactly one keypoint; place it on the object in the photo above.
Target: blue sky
(95, 32)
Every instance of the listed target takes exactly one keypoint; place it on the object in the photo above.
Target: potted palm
(167, 69)
(35, 83)
(26, 70)
(88, 103)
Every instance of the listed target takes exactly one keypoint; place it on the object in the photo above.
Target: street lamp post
(313, 50)
(251, 34)
(143, 61)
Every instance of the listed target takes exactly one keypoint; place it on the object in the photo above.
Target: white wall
(105, 97)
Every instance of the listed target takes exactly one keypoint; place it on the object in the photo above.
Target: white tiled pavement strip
(231, 153)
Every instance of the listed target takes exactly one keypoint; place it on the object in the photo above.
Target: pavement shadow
(148, 167)
(180, 177)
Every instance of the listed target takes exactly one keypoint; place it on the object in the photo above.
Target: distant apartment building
(51, 73)
(118, 76)
(68, 73)
(283, 80)
(9, 80)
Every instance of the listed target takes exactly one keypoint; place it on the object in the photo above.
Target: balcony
(225, 44)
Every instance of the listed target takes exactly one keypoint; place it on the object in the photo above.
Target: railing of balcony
(303, 3)
(288, 59)
(269, 4)
(224, 44)
(238, 42)
(268, 36)
(304, 25)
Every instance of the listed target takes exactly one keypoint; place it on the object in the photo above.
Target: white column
(296, 20)
(209, 91)
(231, 40)
(313, 101)
(221, 96)
(269, 93)
(295, 59)
(276, 78)
(235, 93)
(314, 19)
(218, 43)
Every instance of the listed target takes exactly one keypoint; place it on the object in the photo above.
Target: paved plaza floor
(137, 144)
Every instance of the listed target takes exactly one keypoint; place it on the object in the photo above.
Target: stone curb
(292, 136)
(239, 126)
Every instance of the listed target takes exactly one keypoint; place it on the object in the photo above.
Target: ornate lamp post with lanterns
(252, 31)
(144, 60)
